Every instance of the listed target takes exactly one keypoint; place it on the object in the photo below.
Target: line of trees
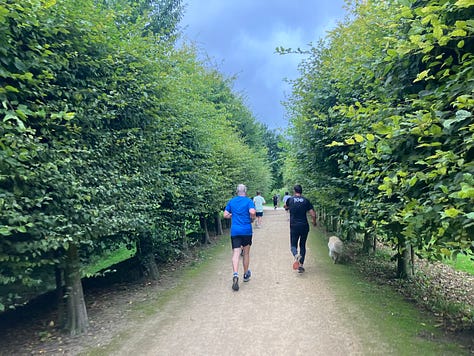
(111, 134)
(383, 130)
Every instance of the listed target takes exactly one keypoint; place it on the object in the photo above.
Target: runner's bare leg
(235, 259)
(246, 259)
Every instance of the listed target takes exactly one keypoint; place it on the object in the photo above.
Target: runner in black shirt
(299, 206)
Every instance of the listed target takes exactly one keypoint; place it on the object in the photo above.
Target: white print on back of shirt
(298, 200)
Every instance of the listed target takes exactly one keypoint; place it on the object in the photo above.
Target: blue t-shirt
(259, 201)
(239, 207)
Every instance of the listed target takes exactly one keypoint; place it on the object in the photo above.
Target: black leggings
(299, 233)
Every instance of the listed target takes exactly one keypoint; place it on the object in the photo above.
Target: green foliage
(383, 124)
(275, 144)
(110, 134)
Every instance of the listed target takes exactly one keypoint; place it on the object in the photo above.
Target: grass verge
(406, 329)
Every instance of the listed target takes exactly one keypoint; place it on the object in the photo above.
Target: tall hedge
(383, 125)
(110, 134)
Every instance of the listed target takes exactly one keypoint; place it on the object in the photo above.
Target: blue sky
(240, 38)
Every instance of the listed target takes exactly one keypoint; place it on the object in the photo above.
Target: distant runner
(259, 201)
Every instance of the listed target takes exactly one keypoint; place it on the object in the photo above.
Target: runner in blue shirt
(241, 210)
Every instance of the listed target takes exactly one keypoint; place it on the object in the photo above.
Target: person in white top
(285, 198)
(258, 200)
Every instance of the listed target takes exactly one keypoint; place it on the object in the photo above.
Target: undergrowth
(434, 287)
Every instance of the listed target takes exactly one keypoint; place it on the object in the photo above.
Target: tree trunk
(147, 257)
(151, 266)
(323, 218)
(351, 234)
(227, 223)
(367, 244)
(334, 223)
(404, 269)
(184, 238)
(203, 223)
(337, 225)
(77, 321)
(60, 292)
(218, 223)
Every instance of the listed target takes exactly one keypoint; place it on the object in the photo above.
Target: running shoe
(297, 261)
(300, 269)
(247, 276)
(235, 283)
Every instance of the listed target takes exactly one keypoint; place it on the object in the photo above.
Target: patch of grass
(109, 259)
(406, 329)
(462, 263)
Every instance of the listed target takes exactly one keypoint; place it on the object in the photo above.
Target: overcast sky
(240, 36)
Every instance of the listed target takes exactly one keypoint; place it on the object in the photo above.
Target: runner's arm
(253, 214)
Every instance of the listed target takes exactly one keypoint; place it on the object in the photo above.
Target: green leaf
(463, 114)
(334, 144)
(460, 116)
(21, 229)
(445, 252)
(11, 89)
(438, 32)
(458, 33)
(5, 231)
(464, 3)
(422, 75)
(466, 192)
(451, 212)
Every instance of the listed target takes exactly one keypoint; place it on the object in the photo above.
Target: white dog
(335, 248)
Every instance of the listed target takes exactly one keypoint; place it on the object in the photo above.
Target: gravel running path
(278, 312)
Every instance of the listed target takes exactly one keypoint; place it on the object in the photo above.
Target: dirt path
(278, 312)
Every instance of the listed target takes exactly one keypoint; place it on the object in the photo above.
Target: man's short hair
(297, 188)
(241, 188)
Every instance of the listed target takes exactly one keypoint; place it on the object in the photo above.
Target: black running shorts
(241, 240)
